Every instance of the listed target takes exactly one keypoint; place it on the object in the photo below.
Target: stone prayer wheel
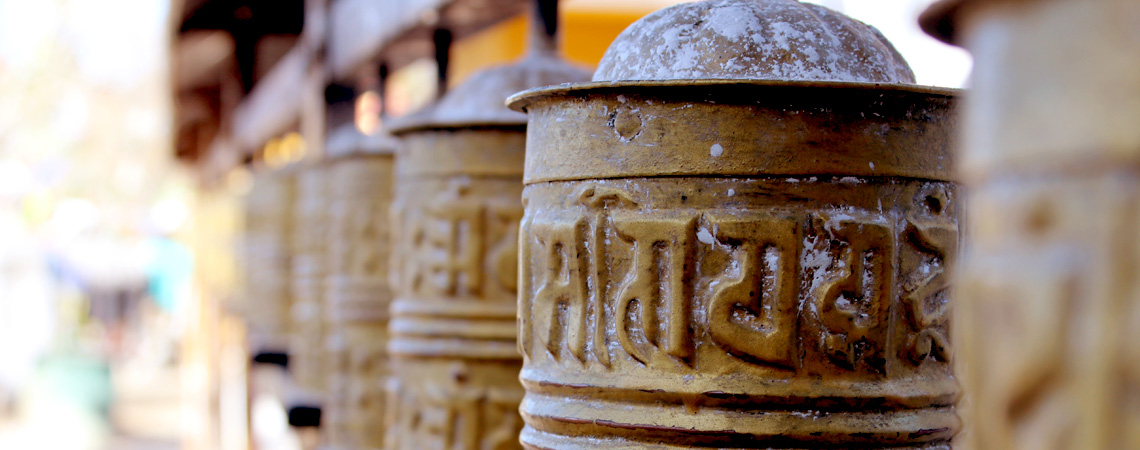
(310, 232)
(455, 263)
(1049, 286)
(357, 295)
(268, 211)
(749, 248)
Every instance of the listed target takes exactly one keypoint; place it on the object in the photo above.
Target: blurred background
(130, 130)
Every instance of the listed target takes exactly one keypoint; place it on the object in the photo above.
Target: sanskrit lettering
(608, 280)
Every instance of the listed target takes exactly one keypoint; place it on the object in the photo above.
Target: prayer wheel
(740, 235)
(1049, 287)
(268, 211)
(310, 232)
(357, 294)
(455, 263)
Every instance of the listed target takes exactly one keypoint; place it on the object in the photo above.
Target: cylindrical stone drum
(453, 320)
(268, 215)
(310, 232)
(737, 263)
(458, 204)
(357, 293)
(1050, 288)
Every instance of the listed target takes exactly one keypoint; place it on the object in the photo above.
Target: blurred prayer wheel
(357, 295)
(752, 250)
(1051, 149)
(455, 262)
(268, 209)
(310, 232)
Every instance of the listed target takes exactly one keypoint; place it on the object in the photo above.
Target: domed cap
(479, 101)
(940, 20)
(347, 140)
(752, 39)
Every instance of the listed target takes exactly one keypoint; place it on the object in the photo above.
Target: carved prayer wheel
(310, 232)
(752, 250)
(357, 295)
(1049, 289)
(268, 210)
(455, 264)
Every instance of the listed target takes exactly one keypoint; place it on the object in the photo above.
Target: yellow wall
(586, 35)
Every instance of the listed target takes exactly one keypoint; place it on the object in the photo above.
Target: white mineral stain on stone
(752, 39)
(716, 150)
(703, 235)
(731, 192)
(872, 164)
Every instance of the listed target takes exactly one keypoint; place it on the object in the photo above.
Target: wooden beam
(370, 30)
(199, 57)
(275, 103)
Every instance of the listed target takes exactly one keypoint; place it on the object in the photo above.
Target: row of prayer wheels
(742, 233)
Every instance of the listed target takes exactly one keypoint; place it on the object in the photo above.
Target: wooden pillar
(1051, 297)
(751, 251)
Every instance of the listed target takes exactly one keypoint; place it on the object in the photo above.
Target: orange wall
(586, 35)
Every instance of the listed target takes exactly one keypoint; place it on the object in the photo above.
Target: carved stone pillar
(749, 263)
(268, 208)
(455, 265)
(310, 232)
(1050, 292)
(357, 290)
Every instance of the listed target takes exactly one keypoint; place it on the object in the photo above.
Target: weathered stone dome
(347, 140)
(480, 99)
(752, 39)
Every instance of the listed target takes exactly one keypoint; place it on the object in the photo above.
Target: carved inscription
(852, 306)
(454, 377)
(366, 396)
(1023, 319)
(659, 282)
(451, 418)
(563, 288)
(456, 245)
(752, 311)
(615, 280)
(935, 239)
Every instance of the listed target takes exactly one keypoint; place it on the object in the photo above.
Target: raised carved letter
(752, 313)
(454, 232)
(853, 306)
(933, 277)
(660, 278)
(564, 283)
(503, 256)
